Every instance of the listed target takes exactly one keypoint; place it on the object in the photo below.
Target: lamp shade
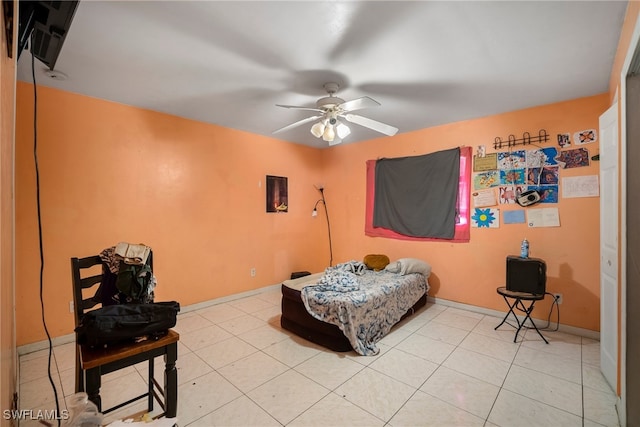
(329, 133)
(342, 130)
(317, 129)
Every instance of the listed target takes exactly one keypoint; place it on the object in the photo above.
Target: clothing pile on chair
(128, 276)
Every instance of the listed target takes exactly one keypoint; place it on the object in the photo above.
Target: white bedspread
(367, 314)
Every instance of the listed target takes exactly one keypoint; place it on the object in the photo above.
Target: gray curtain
(416, 196)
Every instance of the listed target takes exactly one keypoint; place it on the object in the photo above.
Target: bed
(353, 313)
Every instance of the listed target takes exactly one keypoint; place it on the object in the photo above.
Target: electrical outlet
(558, 297)
(253, 272)
(70, 306)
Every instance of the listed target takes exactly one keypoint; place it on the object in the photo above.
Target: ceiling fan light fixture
(343, 130)
(329, 108)
(318, 129)
(329, 134)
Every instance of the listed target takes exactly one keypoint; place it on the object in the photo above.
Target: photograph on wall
(547, 175)
(564, 140)
(277, 194)
(486, 179)
(511, 160)
(513, 177)
(585, 137)
(507, 194)
(576, 158)
(548, 193)
(485, 218)
(542, 157)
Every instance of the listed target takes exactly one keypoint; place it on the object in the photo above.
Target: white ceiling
(427, 63)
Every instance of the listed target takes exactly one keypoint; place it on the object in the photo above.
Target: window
(462, 226)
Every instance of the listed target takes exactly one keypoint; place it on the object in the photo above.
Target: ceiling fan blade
(371, 124)
(358, 104)
(299, 108)
(296, 124)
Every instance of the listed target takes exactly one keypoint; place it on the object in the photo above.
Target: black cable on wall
(35, 159)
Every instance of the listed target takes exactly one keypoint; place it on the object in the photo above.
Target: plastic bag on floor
(82, 412)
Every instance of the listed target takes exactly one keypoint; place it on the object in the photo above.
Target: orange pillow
(376, 262)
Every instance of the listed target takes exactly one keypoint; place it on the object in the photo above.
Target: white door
(609, 245)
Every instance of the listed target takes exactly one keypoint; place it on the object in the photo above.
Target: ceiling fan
(331, 109)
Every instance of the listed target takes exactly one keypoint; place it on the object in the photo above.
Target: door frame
(634, 45)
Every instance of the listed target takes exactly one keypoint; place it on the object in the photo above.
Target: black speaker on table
(526, 275)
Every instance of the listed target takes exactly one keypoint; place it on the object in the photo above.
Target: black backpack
(120, 323)
(133, 282)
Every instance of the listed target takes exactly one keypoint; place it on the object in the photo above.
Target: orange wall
(193, 192)
(469, 273)
(8, 365)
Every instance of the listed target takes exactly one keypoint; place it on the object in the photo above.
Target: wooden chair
(92, 363)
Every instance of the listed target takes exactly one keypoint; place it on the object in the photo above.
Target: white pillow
(413, 265)
(393, 267)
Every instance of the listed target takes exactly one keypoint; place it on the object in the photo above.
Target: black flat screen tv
(48, 22)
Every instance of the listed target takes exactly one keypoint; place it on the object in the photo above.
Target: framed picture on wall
(277, 194)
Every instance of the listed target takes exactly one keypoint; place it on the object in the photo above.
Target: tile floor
(441, 367)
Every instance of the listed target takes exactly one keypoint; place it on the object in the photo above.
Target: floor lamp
(314, 214)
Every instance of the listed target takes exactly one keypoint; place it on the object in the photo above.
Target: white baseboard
(587, 333)
(41, 345)
(209, 303)
(65, 339)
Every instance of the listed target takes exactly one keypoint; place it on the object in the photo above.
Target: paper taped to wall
(513, 217)
(484, 198)
(580, 186)
(546, 217)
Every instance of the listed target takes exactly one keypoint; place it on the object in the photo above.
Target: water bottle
(524, 249)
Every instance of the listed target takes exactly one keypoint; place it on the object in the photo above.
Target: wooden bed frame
(296, 319)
